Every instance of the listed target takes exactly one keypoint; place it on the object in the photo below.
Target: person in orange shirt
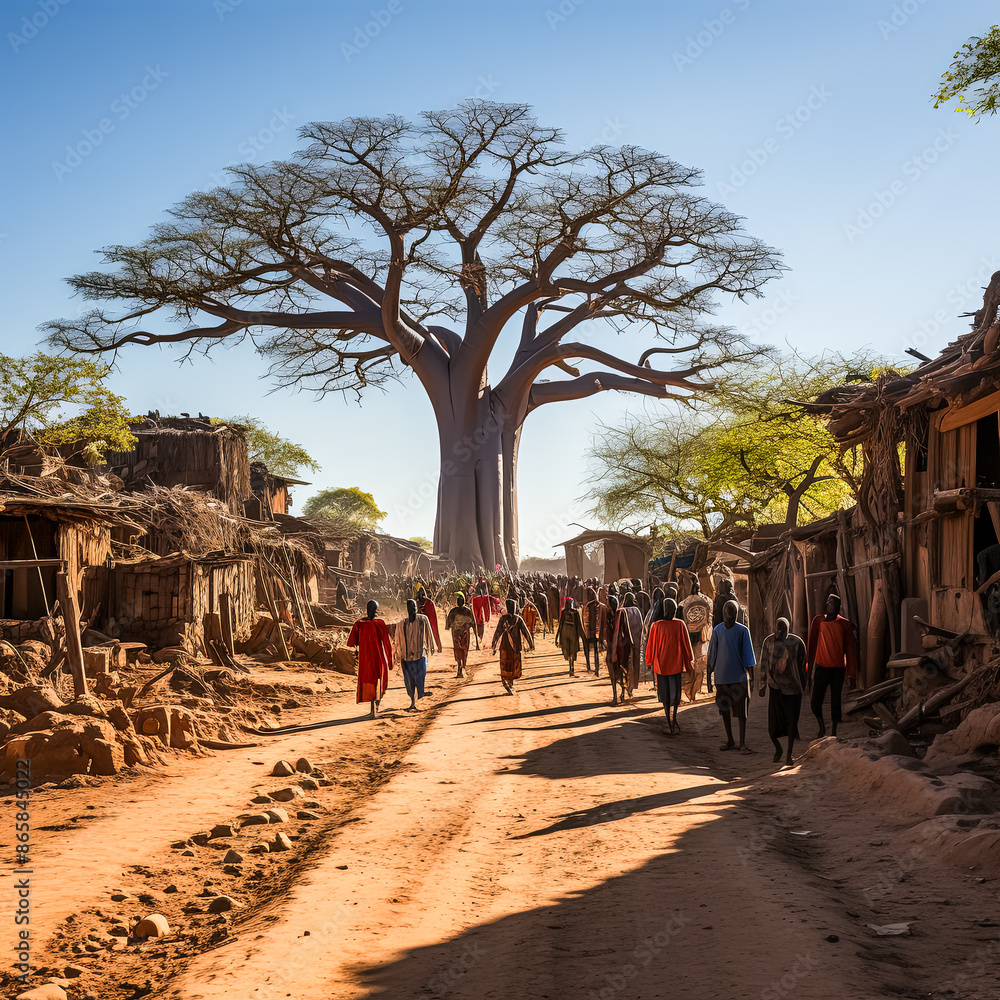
(668, 652)
(831, 657)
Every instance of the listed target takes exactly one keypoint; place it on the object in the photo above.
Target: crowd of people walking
(678, 645)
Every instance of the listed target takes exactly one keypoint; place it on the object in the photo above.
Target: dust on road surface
(549, 845)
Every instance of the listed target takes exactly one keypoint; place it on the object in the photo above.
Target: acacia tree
(36, 392)
(388, 245)
(281, 456)
(749, 455)
(348, 503)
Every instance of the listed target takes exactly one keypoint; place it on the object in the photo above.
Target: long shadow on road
(612, 812)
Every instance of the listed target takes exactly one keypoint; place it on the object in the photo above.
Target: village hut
(187, 451)
(607, 555)
(917, 561)
(272, 494)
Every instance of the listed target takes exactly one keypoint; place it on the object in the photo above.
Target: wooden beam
(33, 564)
(960, 416)
(71, 618)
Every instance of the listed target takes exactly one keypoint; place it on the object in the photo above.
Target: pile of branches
(181, 519)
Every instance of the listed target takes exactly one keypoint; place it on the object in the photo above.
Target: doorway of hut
(986, 532)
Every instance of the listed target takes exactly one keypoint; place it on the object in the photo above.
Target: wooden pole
(226, 620)
(273, 608)
(71, 619)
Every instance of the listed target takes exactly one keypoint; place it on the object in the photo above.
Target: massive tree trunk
(475, 492)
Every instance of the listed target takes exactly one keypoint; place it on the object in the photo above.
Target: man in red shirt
(832, 655)
(371, 637)
(668, 652)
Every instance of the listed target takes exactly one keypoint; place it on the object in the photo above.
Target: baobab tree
(387, 245)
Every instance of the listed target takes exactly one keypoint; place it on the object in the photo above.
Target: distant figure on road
(627, 642)
(731, 660)
(668, 652)
(509, 633)
(832, 656)
(783, 675)
(425, 606)
(697, 611)
(481, 608)
(606, 634)
(371, 637)
(570, 634)
(590, 616)
(416, 643)
(462, 624)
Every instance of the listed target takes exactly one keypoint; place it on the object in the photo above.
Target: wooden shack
(271, 494)
(928, 515)
(164, 600)
(45, 527)
(607, 555)
(187, 451)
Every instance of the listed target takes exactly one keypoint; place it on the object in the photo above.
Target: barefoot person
(668, 652)
(425, 606)
(461, 622)
(832, 656)
(509, 633)
(371, 636)
(416, 642)
(731, 660)
(697, 611)
(627, 642)
(783, 675)
(569, 634)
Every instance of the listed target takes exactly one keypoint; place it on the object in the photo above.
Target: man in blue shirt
(731, 660)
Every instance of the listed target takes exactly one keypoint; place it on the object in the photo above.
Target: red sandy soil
(540, 845)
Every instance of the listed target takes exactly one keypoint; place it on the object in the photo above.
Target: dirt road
(548, 845)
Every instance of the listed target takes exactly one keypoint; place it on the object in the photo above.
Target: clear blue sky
(801, 115)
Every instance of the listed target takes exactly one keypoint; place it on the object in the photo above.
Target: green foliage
(976, 63)
(425, 543)
(348, 503)
(36, 392)
(747, 456)
(281, 456)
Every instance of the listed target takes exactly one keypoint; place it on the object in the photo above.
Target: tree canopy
(345, 503)
(39, 393)
(974, 76)
(281, 456)
(387, 245)
(746, 456)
